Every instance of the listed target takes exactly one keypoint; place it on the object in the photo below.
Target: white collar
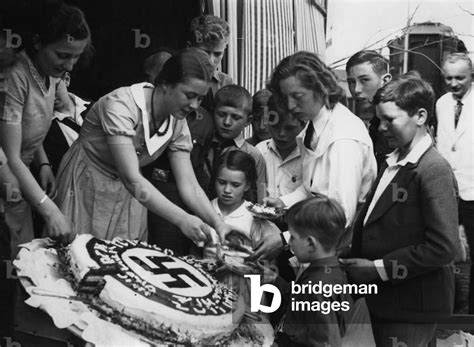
(239, 141)
(237, 213)
(413, 156)
(464, 97)
(80, 106)
(155, 142)
(294, 154)
(320, 121)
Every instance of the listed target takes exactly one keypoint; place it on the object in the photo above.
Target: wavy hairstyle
(208, 28)
(312, 73)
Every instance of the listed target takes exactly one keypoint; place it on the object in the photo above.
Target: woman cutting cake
(101, 188)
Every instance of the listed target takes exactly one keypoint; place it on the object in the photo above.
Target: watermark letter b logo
(256, 294)
(399, 194)
(399, 271)
(138, 39)
(13, 40)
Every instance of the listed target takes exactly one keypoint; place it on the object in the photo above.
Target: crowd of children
(166, 161)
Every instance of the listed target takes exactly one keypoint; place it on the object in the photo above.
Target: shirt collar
(239, 212)
(272, 147)
(329, 261)
(415, 154)
(226, 143)
(239, 141)
(60, 115)
(464, 97)
(216, 76)
(80, 106)
(317, 264)
(320, 121)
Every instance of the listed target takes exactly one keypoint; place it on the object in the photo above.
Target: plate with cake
(265, 212)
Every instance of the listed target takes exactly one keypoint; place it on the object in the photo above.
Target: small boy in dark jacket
(314, 319)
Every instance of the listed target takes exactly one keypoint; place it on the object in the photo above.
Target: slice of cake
(146, 288)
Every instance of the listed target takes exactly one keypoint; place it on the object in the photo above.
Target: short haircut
(454, 57)
(320, 217)
(188, 63)
(260, 101)
(234, 95)
(409, 92)
(208, 28)
(312, 73)
(378, 62)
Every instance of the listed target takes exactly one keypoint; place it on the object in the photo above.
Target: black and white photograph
(236, 173)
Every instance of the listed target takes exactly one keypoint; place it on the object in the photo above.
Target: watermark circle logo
(167, 273)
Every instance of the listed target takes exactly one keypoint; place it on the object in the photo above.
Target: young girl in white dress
(234, 172)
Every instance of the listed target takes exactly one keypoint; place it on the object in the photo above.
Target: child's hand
(222, 230)
(268, 247)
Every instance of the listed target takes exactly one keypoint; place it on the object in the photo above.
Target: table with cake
(133, 293)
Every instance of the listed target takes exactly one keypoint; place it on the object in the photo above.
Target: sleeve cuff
(286, 235)
(381, 269)
(292, 198)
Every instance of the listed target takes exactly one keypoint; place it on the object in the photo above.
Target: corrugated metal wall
(266, 31)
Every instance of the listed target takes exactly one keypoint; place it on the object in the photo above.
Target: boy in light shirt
(281, 153)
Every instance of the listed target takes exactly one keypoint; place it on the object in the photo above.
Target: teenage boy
(281, 153)
(283, 161)
(315, 225)
(211, 34)
(405, 235)
(367, 71)
(232, 113)
(455, 141)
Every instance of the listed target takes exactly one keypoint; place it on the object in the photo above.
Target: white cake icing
(81, 263)
(157, 288)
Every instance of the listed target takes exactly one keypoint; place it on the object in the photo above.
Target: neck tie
(72, 124)
(308, 135)
(457, 112)
(219, 148)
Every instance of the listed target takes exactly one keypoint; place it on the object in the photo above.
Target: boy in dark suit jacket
(405, 235)
(316, 226)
